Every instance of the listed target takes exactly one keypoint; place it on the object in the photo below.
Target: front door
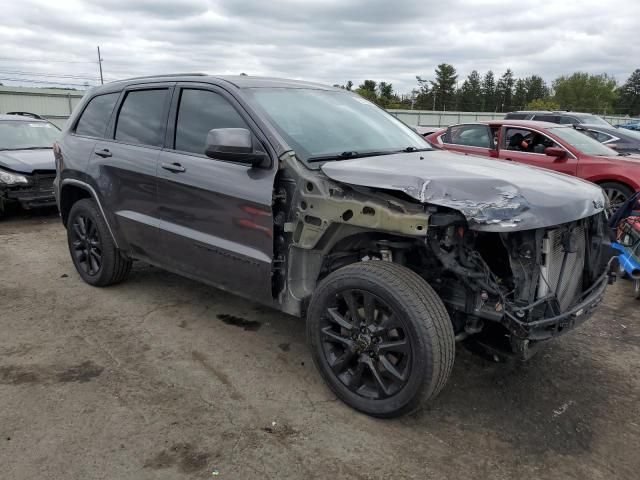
(525, 145)
(215, 216)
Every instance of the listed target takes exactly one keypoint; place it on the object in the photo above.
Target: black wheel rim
(86, 244)
(366, 344)
(616, 197)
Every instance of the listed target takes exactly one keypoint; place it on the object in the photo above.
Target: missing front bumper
(546, 328)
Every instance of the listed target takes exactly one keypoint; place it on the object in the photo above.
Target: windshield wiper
(343, 156)
(352, 154)
(415, 149)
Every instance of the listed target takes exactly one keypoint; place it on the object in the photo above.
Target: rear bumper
(546, 328)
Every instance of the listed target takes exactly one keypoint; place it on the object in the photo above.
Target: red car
(549, 145)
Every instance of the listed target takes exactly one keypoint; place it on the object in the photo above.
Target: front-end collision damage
(506, 208)
(494, 196)
(500, 253)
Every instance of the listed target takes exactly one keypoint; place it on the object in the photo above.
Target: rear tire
(92, 248)
(380, 337)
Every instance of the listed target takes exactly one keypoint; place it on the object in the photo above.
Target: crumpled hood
(493, 195)
(26, 161)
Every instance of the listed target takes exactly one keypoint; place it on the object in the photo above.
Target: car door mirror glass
(234, 145)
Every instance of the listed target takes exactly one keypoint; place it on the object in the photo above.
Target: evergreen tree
(629, 102)
(489, 92)
(536, 88)
(504, 91)
(444, 87)
(471, 93)
(519, 95)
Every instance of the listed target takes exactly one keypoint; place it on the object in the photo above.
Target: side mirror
(612, 146)
(555, 152)
(234, 145)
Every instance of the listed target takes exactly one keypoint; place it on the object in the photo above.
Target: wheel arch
(72, 190)
(625, 181)
(307, 267)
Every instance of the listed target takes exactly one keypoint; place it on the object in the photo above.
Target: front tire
(380, 337)
(91, 246)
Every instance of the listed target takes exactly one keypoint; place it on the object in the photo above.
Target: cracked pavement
(162, 377)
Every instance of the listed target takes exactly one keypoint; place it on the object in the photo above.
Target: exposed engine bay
(516, 285)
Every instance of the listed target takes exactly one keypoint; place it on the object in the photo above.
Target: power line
(43, 60)
(50, 75)
(45, 82)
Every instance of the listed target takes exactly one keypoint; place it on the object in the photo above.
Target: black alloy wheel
(87, 247)
(366, 344)
(380, 337)
(92, 247)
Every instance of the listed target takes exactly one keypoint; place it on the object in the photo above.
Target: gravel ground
(162, 377)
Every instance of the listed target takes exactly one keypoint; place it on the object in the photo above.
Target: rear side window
(568, 120)
(93, 121)
(141, 119)
(469, 135)
(547, 118)
(199, 112)
(516, 116)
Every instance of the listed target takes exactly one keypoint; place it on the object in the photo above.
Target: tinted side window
(568, 120)
(141, 118)
(199, 112)
(547, 118)
(516, 116)
(95, 117)
(469, 135)
(601, 137)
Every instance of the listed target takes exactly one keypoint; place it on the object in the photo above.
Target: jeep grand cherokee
(314, 201)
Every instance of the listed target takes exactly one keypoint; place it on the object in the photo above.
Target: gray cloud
(330, 41)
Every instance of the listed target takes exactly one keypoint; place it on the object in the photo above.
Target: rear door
(90, 127)
(525, 145)
(125, 166)
(215, 216)
(471, 138)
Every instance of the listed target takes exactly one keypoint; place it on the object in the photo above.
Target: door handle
(510, 159)
(174, 167)
(104, 153)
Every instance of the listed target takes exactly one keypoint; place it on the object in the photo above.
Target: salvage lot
(162, 377)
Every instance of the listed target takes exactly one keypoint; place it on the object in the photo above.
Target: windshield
(582, 142)
(20, 135)
(326, 123)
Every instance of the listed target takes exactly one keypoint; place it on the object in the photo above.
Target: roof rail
(27, 114)
(192, 74)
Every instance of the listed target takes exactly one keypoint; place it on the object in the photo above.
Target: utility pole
(434, 99)
(100, 65)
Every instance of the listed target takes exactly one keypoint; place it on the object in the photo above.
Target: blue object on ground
(626, 260)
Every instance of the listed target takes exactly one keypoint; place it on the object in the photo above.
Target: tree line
(487, 93)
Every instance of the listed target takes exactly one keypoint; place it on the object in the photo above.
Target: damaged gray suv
(315, 202)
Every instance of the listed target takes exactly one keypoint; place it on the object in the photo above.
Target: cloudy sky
(330, 41)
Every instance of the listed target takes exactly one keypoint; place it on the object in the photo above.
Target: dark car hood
(27, 161)
(493, 195)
